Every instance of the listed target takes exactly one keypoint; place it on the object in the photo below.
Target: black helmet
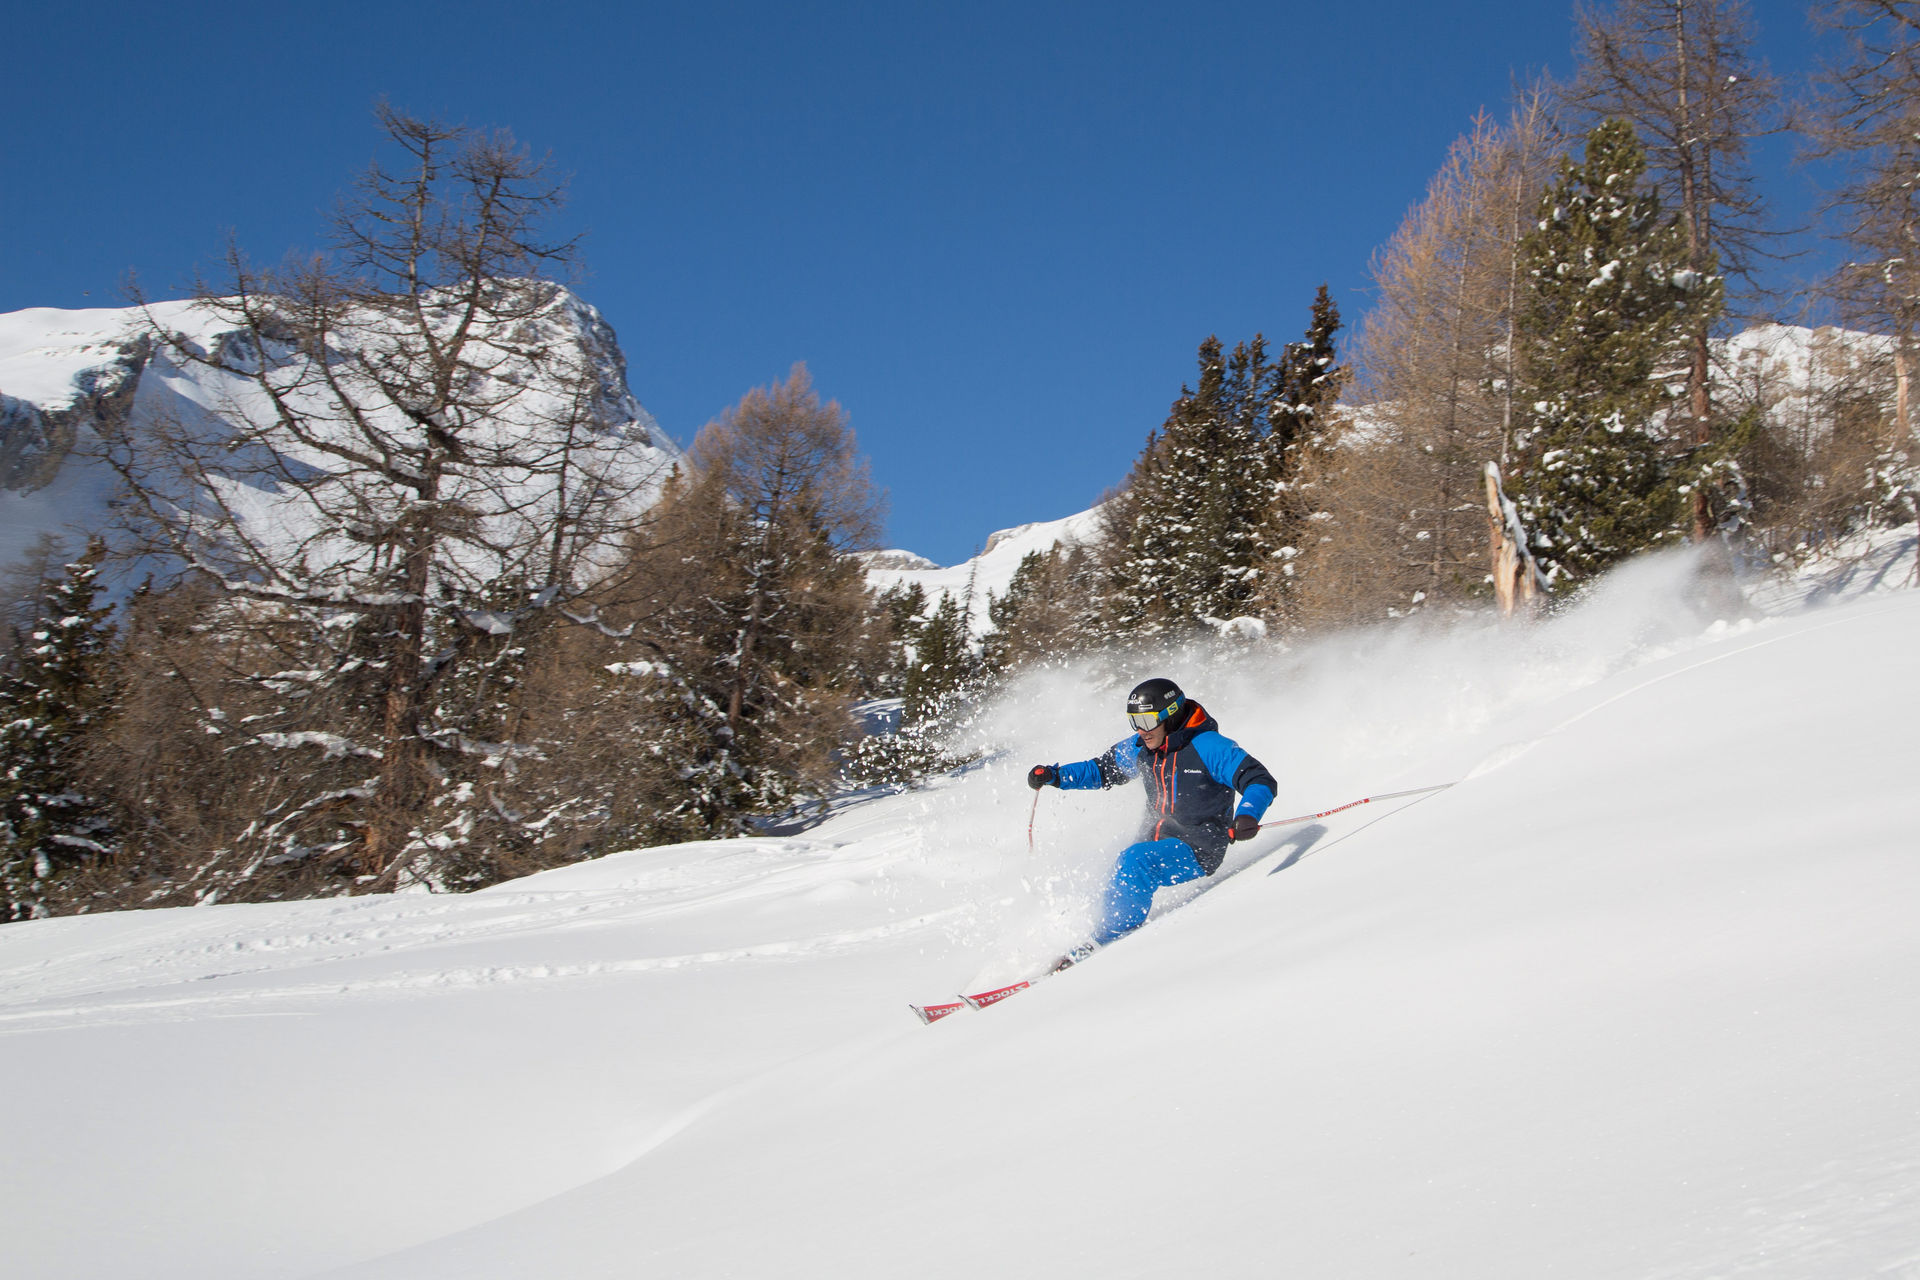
(1154, 702)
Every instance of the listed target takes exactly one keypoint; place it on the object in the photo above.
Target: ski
(931, 1013)
(981, 999)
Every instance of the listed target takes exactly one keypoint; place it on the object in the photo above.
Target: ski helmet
(1154, 702)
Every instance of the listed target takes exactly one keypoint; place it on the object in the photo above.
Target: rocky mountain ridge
(71, 377)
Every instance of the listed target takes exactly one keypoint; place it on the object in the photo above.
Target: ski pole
(1030, 816)
(1354, 804)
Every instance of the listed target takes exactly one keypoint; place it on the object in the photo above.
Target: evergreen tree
(1199, 495)
(48, 826)
(940, 675)
(1034, 617)
(1610, 298)
(903, 607)
(1053, 606)
(1310, 380)
(1207, 514)
(1683, 75)
(945, 667)
(1298, 421)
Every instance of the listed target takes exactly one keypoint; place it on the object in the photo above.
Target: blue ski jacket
(1190, 778)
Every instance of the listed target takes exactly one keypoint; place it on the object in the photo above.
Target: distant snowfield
(1638, 997)
(44, 350)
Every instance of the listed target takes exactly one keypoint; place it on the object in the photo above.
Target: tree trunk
(1696, 209)
(1903, 417)
(396, 806)
(1701, 407)
(1902, 388)
(743, 655)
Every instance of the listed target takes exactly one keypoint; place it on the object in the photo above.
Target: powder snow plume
(1359, 713)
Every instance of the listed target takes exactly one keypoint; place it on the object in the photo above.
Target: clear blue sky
(995, 232)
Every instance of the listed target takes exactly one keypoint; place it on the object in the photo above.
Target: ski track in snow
(435, 980)
(160, 959)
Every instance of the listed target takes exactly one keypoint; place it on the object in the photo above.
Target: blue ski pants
(1142, 868)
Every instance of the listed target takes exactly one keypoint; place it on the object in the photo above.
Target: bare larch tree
(407, 450)
(1868, 118)
(1437, 358)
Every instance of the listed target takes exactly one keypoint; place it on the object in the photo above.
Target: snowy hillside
(1794, 360)
(987, 573)
(1636, 997)
(65, 375)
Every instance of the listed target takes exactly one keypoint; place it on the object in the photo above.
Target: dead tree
(1517, 580)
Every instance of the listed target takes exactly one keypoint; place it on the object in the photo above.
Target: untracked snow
(1638, 996)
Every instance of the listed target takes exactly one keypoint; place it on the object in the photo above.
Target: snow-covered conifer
(59, 686)
(1209, 505)
(1310, 380)
(945, 667)
(1683, 74)
(1199, 494)
(903, 608)
(1610, 299)
(1307, 385)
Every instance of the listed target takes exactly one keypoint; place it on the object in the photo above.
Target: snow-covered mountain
(987, 573)
(66, 375)
(1634, 997)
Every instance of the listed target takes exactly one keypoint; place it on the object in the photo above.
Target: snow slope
(1637, 997)
(989, 572)
(45, 351)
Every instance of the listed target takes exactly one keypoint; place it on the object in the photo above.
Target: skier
(1191, 772)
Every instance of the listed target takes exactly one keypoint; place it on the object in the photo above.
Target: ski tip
(932, 1013)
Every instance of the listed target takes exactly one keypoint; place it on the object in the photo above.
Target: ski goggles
(1147, 721)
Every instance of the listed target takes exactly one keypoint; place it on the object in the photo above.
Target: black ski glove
(1245, 827)
(1043, 775)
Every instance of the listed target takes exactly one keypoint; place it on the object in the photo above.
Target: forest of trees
(479, 641)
